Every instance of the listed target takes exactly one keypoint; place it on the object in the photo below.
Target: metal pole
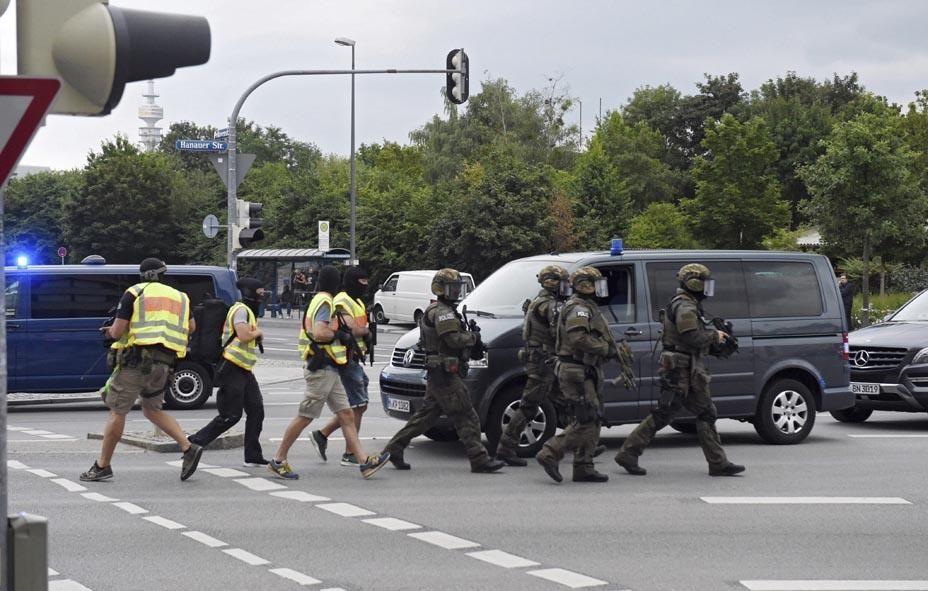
(580, 146)
(5, 582)
(353, 185)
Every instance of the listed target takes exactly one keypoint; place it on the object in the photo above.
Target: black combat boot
(491, 465)
(630, 463)
(509, 456)
(728, 469)
(396, 458)
(587, 473)
(550, 466)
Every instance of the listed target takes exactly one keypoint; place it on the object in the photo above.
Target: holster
(317, 360)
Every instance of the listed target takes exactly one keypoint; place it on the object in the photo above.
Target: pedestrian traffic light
(248, 229)
(95, 49)
(457, 84)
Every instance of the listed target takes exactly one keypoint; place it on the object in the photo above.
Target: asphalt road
(846, 506)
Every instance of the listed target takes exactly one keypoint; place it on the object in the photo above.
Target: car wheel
(417, 316)
(379, 316)
(439, 434)
(536, 432)
(688, 428)
(786, 413)
(855, 414)
(190, 387)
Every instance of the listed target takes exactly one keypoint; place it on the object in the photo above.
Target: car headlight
(483, 362)
(921, 356)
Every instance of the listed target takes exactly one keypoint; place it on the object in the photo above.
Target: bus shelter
(297, 268)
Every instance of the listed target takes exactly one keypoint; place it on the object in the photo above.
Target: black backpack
(206, 341)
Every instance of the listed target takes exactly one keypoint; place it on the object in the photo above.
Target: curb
(160, 442)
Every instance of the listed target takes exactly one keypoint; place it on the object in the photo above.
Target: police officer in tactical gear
(583, 344)
(238, 389)
(448, 345)
(539, 332)
(684, 378)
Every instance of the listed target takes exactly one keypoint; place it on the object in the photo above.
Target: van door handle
(633, 332)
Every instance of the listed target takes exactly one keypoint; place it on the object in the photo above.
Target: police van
(53, 319)
(785, 308)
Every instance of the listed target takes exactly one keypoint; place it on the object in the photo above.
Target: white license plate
(398, 405)
(862, 388)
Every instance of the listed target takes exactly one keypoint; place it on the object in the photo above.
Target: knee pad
(661, 416)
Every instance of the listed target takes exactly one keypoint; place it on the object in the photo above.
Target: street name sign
(201, 146)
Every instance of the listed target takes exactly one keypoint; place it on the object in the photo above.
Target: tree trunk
(865, 283)
(883, 284)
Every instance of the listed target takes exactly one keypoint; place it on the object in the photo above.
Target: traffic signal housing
(248, 229)
(457, 85)
(95, 49)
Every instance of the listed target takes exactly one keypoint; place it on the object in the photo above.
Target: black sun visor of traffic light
(96, 49)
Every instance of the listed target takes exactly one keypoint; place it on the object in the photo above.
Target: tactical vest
(356, 309)
(570, 320)
(241, 354)
(670, 336)
(335, 351)
(539, 329)
(160, 316)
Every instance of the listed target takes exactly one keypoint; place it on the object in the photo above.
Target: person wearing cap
(150, 333)
(238, 389)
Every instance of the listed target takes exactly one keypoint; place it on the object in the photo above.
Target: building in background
(151, 114)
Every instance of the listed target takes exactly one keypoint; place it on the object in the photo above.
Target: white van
(404, 296)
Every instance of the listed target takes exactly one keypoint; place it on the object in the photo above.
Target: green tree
(737, 199)
(602, 206)
(33, 215)
(865, 190)
(661, 225)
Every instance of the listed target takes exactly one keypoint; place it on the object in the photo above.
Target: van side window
(11, 296)
(729, 301)
(390, 285)
(76, 296)
(621, 298)
(782, 288)
(195, 286)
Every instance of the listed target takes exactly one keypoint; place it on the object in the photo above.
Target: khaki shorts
(323, 386)
(128, 384)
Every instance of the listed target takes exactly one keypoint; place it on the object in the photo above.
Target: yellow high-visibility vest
(241, 354)
(160, 316)
(355, 309)
(337, 352)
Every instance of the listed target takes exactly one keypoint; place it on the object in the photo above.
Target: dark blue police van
(53, 317)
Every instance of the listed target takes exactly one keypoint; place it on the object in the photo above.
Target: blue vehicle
(53, 317)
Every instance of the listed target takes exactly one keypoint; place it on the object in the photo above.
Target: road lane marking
(39, 440)
(37, 432)
(889, 436)
(98, 497)
(165, 523)
(392, 523)
(345, 509)
(204, 539)
(443, 540)
(12, 428)
(57, 436)
(295, 576)
(68, 485)
(66, 585)
(246, 557)
(567, 578)
(226, 472)
(53, 573)
(16, 465)
(806, 500)
(131, 508)
(259, 484)
(503, 559)
(299, 495)
(835, 585)
(42, 473)
(179, 464)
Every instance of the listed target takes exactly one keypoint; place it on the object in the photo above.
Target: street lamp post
(350, 43)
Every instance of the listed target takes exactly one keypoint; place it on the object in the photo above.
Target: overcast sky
(602, 50)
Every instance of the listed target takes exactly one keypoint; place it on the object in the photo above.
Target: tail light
(845, 348)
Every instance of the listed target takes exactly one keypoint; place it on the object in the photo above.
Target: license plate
(862, 388)
(398, 405)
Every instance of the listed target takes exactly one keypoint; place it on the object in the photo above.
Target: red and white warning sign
(23, 104)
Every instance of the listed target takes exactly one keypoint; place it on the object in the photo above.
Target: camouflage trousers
(682, 386)
(537, 389)
(444, 394)
(582, 432)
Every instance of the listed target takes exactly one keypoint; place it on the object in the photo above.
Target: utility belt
(446, 363)
(570, 370)
(141, 357)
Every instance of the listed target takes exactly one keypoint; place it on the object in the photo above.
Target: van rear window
(783, 288)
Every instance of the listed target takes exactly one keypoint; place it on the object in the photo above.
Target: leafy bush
(880, 306)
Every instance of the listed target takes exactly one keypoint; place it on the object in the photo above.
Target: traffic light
(95, 49)
(248, 229)
(457, 85)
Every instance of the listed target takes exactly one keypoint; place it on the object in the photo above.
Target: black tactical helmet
(152, 269)
(249, 287)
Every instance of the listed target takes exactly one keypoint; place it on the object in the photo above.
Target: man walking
(684, 378)
(448, 346)
(238, 389)
(150, 331)
(322, 346)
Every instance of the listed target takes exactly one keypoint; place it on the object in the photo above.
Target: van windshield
(503, 292)
(917, 309)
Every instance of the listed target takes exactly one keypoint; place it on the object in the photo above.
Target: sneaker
(374, 463)
(255, 463)
(398, 462)
(190, 460)
(97, 473)
(349, 460)
(282, 470)
(320, 442)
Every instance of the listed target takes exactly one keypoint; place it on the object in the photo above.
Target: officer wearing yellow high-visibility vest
(150, 332)
(238, 389)
(322, 347)
(350, 307)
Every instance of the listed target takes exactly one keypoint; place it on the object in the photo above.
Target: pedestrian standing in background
(286, 300)
(847, 298)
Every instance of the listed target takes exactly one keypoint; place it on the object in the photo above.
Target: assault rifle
(346, 337)
(729, 346)
(622, 353)
(371, 338)
(479, 348)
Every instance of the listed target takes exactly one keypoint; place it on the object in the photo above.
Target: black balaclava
(352, 282)
(249, 287)
(328, 280)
